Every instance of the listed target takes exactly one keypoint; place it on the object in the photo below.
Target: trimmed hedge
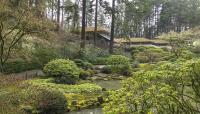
(63, 71)
(85, 88)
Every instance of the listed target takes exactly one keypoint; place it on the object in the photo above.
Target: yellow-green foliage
(168, 87)
(19, 98)
(179, 42)
(146, 66)
(79, 101)
(43, 96)
(116, 60)
(77, 96)
(149, 54)
(119, 64)
(85, 88)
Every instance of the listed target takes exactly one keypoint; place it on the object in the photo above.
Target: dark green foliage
(79, 62)
(22, 98)
(119, 64)
(44, 101)
(135, 64)
(63, 70)
(99, 61)
(83, 64)
(125, 70)
(16, 66)
(93, 55)
(106, 70)
(43, 55)
(84, 75)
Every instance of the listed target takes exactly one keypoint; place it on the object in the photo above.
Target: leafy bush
(106, 70)
(182, 41)
(19, 65)
(43, 101)
(116, 60)
(64, 71)
(99, 61)
(78, 96)
(85, 88)
(80, 101)
(82, 64)
(135, 64)
(91, 54)
(24, 98)
(42, 56)
(119, 64)
(85, 74)
(70, 50)
(125, 70)
(149, 54)
(168, 87)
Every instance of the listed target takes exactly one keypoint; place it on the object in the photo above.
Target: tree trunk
(95, 28)
(58, 15)
(82, 45)
(52, 10)
(63, 13)
(112, 27)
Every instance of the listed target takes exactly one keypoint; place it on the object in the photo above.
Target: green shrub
(86, 88)
(119, 64)
(46, 101)
(70, 50)
(155, 91)
(91, 53)
(87, 66)
(41, 100)
(149, 54)
(42, 56)
(63, 70)
(26, 98)
(19, 65)
(84, 74)
(99, 61)
(80, 101)
(135, 64)
(187, 55)
(125, 70)
(79, 62)
(116, 60)
(106, 70)
(83, 65)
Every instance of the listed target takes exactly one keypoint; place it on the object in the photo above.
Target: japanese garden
(99, 56)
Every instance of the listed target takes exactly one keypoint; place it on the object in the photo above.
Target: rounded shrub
(116, 60)
(63, 70)
(119, 64)
(42, 100)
